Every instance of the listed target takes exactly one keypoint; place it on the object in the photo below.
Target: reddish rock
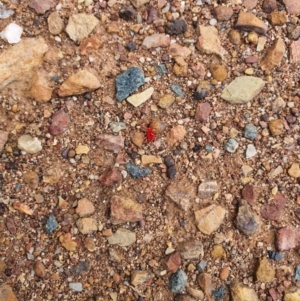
(273, 212)
(110, 177)
(269, 5)
(89, 45)
(125, 210)
(41, 6)
(203, 111)
(40, 89)
(249, 22)
(11, 226)
(40, 269)
(172, 262)
(250, 4)
(60, 122)
(223, 13)
(249, 194)
(251, 59)
(292, 6)
(287, 238)
(273, 55)
(295, 52)
(3, 139)
(111, 143)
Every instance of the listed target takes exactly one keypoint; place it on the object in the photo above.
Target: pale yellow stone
(22, 208)
(138, 99)
(82, 149)
(294, 170)
(147, 159)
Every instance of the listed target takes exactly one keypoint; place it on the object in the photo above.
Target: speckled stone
(231, 145)
(51, 224)
(177, 281)
(136, 171)
(250, 131)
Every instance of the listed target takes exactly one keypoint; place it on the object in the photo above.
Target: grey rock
(75, 286)
(191, 250)
(51, 224)
(231, 145)
(246, 221)
(122, 237)
(127, 13)
(250, 131)
(177, 90)
(177, 281)
(201, 266)
(242, 89)
(137, 172)
(128, 82)
(278, 256)
(219, 293)
(79, 268)
(297, 272)
(176, 27)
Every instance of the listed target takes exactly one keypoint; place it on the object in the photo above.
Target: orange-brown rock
(273, 55)
(278, 18)
(249, 22)
(223, 13)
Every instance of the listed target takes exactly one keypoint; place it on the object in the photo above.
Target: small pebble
(51, 224)
(219, 293)
(275, 255)
(137, 172)
(201, 266)
(213, 22)
(131, 46)
(231, 145)
(76, 286)
(177, 281)
(250, 132)
(297, 272)
(177, 90)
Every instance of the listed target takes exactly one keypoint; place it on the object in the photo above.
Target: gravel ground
(149, 150)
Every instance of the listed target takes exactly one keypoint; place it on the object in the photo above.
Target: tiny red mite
(150, 136)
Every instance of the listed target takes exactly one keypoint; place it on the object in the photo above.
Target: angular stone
(177, 281)
(276, 127)
(287, 238)
(292, 294)
(278, 104)
(273, 55)
(273, 212)
(294, 170)
(178, 50)
(203, 111)
(278, 18)
(6, 293)
(40, 89)
(181, 192)
(127, 13)
(111, 143)
(249, 22)
(138, 99)
(23, 208)
(218, 252)
(87, 225)
(80, 26)
(250, 151)
(295, 52)
(210, 218)
(53, 55)
(207, 189)
(242, 89)
(247, 221)
(172, 262)
(55, 23)
(136, 171)
(176, 27)
(292, 6)
(191, 250)
(205, 283)
(231, 145)
(81, 82)
(265, 272)
(139, 3)
(138, 138)
(59, 123)
(122, 237)
(129, 81)
(140, 277)
(41, 6)
(249, 194)
(89, 45)
(176, 134)
(85, 207)
(241, 292)
(110, 177)
(209, 41)
(124, 210)
(269, 5)
(81, 149)
(166, 101)
(67, 242)
(40, 269)
(3, 139)
(31, 178)
(12, 66)
(218, 72)
(29, 144)
(146, 159)
(223, 13)
(156, 40)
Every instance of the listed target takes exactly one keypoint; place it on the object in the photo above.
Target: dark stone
(246, 221)
(176, 27)
(177, 281)
(11, 165)
(269, 5)
(249, 194)
(168, 161)
(201, 94)
(152, 15)
(171, 172)
(177, 90)
(297, 272)
(275, 255)
(2, 208)
(127, 13)
(219, 293)
(137, 172)
(51, 224)
(129, 81)
(64, 153)
(80, 268)
(131, 46)
(196, 148)
(161, 69)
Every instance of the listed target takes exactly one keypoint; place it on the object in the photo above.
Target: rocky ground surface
(149, 150)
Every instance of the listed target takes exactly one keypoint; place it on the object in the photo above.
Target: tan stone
(294, 170)
(40, 89)
(55, 23)
(81, 82)
(218, 252)
(113, 27)
(85, 207)
(273, 55)
(249, 22)
(218, 72)
(176, 134)
(156, 40)
(223, 13)
(209, 41)
(178, 50)
(234, 37)
(87, 225)
(138, 138)
(138, 99)
(292, 294)
(139, 3)
(191, 250)
(31, 178)
(224, 273)
(3, 139)
(6, 293)
(89, 45)
(252, 37)
(147, 159)
(276, 127)
(139, 277)
(124, 210)
(40, 269)
(265, 272)
(82, 149)
(67, 242)
(209, 219)
(53, 55)
(22, 208)
(166, 101)
(278, 18)
(89, 244)
(241, 292)
(204, 281)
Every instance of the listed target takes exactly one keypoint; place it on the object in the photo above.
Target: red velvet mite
(150, 136)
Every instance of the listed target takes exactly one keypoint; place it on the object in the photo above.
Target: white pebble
(124, 173)
(76, 286)
(57, 39)
(213, 22)
(251, 151)
(29, 144)
(58, 6)
(12, 33)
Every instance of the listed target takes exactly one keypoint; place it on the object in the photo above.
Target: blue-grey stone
(137, 172)
(129, 81)
(250, 131)
(76, 286)
(219, 293)
(231, 145)
(177, 90)
(177, 281)
(276, 255)
(51, 224)
(161, 69)
(201, 266)
(297, 272)
(79, 268)
(209, 148)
